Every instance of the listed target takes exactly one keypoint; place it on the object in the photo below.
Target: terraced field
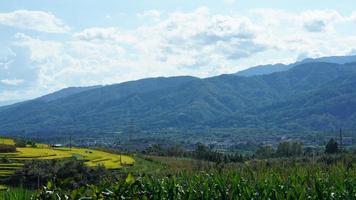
(10, 162)
(7, 141)
(95, 157)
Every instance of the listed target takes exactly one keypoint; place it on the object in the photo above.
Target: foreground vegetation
(16, 194)
(287, 171)
(331, 177)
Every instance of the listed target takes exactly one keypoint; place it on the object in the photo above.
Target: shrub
(31, 143)
(20, 143)
(68, 174)
(5, 160)
(4, 148)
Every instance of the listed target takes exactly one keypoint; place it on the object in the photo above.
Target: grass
(144, 165)
(2, 188)
(175, 164)
(15, 194)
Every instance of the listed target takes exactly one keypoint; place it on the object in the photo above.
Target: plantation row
(260, 180)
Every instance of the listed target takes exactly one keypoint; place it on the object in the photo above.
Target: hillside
(310, 96)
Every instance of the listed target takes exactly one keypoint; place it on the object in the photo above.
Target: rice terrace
(12, 161)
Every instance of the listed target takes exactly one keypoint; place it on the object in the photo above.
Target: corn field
(252, 181)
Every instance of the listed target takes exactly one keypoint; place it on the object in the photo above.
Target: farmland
(204, 175)
(323, 178)
(91, 157)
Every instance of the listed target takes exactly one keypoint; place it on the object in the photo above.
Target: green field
(321, 178)
(326, 176)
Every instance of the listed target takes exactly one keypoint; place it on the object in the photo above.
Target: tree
(283, 149)
(20, 143)
(66, 174)
(289, 148)
(31, 143)
(296, 148)
(331, 147)
(265, 151)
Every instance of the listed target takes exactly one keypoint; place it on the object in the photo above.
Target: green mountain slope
(311, 96)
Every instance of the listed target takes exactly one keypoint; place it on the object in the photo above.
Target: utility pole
(340, 140)
(70, 141)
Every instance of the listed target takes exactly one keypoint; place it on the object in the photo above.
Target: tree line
(208, 153)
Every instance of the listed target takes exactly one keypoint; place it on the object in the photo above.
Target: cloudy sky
(53, 44)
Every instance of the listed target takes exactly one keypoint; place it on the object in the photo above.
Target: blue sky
(48, 45)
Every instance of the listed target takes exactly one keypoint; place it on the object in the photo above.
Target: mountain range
(268, 69)
(310, 95)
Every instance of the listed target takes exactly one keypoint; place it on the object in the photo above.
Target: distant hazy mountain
(332, 59)
(268, 69)
(264, 69)
(310, 96)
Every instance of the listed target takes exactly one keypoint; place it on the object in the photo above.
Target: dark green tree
(20, 143)
(265, 151)
(331, 147)
(289, 148)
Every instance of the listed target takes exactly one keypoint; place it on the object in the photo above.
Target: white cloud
(196, 43)
(310, 20)
(109, 34)
(40, 49)
(34, 20)
(13, 82)
(184, 40)
(353, 17)
(319, 20)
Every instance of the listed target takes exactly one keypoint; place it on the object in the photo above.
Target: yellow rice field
(91, 157)
(94, 157)
(7, 141)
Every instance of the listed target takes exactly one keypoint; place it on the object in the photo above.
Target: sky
(47, 45)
